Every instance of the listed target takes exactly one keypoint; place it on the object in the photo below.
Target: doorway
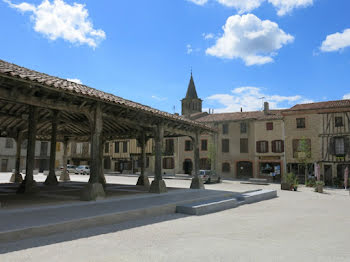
(188, 166)
(4, 165)
(328, 177)
(244, 170)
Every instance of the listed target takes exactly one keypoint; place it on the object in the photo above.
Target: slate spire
(191, 90)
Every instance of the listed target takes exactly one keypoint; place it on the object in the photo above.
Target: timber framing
(22, 88)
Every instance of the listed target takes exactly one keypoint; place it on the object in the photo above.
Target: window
(58, 147)
(147, 162)
(188, 145)
(301, 148)
(277, 146)
(116, 147)
(301, 122)
(262, 146)
(226, 167)
(225, 129)
(168, 163)
(125, 146)
(204, 164)
(43, 148)
(107, 148)
(9, 143)
(339, 146)
(169, 146)
(25, 144)
(225, 145)
(243, 128)
(204, 145)
(338, 121)
(244, 145)
(269, 126)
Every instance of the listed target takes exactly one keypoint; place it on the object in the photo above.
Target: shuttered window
(168, 163)
(300, 122)
(269, 126)
(243, 127)
(262, 147)
(169, 146)
(188, 145)
(225, 129)
(125, 146)
(277, 146)
(225, 145)
(204, 145)
(339, 146)
(116, 147)
(244, 145)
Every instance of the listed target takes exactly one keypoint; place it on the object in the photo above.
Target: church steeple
(191, 103)
(191, 90)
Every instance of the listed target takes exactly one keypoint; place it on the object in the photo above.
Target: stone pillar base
(143, 181)
(158, 186)
(16, 178)
(93, 191)
(64, 177)
(28, 187)
(51, 180)
(197, 183)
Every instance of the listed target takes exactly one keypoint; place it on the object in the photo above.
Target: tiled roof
(321, 105)
(60, 84)
(238, 116)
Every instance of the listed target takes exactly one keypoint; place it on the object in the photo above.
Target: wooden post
(94, 190)
(16, 176)
(65, 175)
(29, 185)
(197, 182)
(158, 184)
(51, 179)
(143, 179)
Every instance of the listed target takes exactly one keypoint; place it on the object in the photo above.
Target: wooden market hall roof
(21, 87)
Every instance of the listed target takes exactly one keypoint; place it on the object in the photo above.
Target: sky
(241, 52)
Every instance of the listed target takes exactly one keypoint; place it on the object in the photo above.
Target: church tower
(191, 103)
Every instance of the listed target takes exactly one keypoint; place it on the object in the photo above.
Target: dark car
(209, 176)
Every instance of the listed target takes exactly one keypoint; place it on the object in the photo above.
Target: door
(4, 165)
(187, 166)
(328, 175)
(244, 170)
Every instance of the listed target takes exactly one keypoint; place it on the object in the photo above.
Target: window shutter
(258, 147)
(282, 146)
(172, 163)
(347, 145)
(331, 146)
(273, 146)
(267, 146)
(295, 147)
(164, 163)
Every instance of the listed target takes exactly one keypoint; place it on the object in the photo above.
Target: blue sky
(288, 51)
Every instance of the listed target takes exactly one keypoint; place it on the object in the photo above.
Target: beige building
(324, 128)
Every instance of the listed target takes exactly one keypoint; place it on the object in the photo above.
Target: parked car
(83, 170)
(209, 176)
(70, 168)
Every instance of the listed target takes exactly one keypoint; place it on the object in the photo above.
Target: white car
(83, 170)
(70, 168)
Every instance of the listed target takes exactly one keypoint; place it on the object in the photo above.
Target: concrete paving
(296, 226)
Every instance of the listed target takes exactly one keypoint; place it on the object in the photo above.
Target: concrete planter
(286, 186)
(319, 188)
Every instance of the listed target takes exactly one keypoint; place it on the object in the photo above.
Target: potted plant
(319, 186)
(290, 182)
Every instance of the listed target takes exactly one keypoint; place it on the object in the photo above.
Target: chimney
(266, 108)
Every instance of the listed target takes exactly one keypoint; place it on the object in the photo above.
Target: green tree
(304, 154)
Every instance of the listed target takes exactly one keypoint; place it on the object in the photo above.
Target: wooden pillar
(143, 179)
(197, 182)
(16, 176)
(158, 184)
(94, 190)
(51, 179)
(29, 185)
(65, 175)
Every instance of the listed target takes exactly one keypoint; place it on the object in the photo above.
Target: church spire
(191, 90)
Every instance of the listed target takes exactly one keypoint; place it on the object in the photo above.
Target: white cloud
(286, 6)
(250, 99)
(337, 41)
(61, 20)
(159, 98)
(75, 80)
(253, 40)
(242, 5)
(199, 2)
(347, 96)
(189, 49)
(208, 36)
